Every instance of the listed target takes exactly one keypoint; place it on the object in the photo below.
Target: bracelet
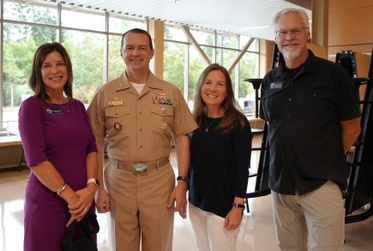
(90, 191)
(60, 190)
(183, 178)
(239, 205)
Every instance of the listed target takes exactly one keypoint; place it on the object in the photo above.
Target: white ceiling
(246, 17)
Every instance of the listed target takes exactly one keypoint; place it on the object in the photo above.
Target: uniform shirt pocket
(162, 118)
(117, 120)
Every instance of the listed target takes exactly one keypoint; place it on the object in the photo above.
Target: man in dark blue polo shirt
(313, 117)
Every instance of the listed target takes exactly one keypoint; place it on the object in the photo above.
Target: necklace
(207, 127)
(68, 106)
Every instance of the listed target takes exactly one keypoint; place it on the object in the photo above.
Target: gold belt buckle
(140, 168)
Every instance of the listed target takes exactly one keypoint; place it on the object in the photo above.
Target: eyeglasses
(295, 32)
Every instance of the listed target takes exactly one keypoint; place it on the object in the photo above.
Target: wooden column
(156, 30)
(320, 22)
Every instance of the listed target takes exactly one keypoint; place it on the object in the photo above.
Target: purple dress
(62, 135)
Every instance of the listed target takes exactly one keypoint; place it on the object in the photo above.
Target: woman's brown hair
(232, 111)
(36, 80)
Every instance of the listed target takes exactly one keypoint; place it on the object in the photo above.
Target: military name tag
(115, 102)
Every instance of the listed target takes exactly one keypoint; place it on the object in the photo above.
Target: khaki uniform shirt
(139, 127)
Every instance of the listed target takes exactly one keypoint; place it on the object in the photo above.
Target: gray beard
(291, 55)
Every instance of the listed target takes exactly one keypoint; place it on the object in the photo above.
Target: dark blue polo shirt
(303, 112)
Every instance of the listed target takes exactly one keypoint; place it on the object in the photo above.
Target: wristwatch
(183, 178)
(93, 180)
(239, 205)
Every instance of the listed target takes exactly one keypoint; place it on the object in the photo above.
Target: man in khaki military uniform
(136, 116)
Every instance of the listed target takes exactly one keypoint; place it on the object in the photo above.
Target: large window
(183, 64)
(24, 29)
(41, 14)
(94, 47)
(87, 60)
(88, 20)
(94, 51)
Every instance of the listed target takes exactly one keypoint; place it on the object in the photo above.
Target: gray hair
(301, 12)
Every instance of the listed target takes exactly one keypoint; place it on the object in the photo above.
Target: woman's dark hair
(232, 112)
(36, 80)
(138, 31)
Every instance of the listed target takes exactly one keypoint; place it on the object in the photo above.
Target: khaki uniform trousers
(317, 216)
(138, 208)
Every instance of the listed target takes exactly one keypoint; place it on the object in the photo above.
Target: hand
(102, 202)
(179, 195)
(72, 200)
(233, 219)
(81, 207)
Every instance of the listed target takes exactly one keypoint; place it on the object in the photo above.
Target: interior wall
(350, 26)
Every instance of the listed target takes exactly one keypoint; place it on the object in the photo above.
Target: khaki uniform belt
(129, 166)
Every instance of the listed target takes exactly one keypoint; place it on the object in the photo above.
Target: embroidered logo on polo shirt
(276, 85)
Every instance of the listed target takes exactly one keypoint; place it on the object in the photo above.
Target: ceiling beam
(195, 44)
(239, 55)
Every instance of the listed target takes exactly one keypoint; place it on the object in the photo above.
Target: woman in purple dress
(60, 150)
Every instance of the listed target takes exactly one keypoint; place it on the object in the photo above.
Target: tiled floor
(257, 231)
